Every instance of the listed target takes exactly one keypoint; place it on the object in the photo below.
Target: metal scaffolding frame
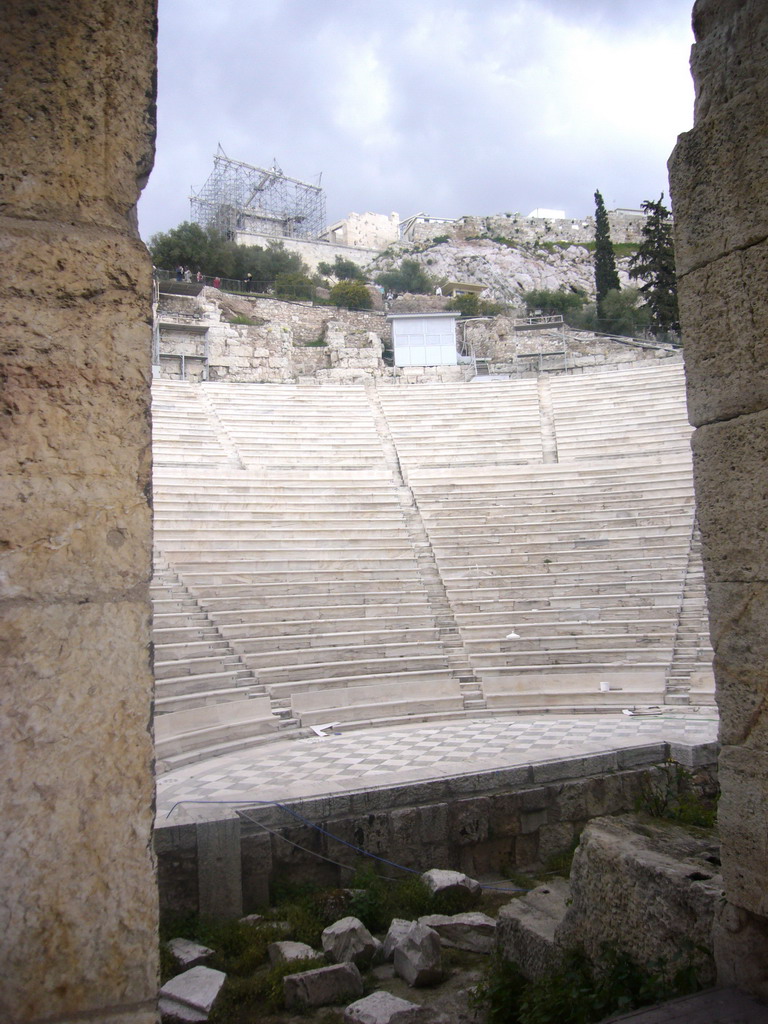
(238, 197)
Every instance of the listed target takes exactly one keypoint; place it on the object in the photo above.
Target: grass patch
(262, 990)
(673, 797)
(579, 992)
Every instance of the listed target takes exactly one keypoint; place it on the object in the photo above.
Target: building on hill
(422, 225)
(364, 230)
(542, 213)
(239, 197)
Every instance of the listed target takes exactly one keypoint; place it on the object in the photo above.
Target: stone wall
(720, 198)
(529, 352)
(313, 251)
(286, 341)
(365, 230)
(78, 935)
(625, 226)
(486, 823)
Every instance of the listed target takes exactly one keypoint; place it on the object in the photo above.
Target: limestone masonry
(720, 199)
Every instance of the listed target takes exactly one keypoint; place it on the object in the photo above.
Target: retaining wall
(226, 862)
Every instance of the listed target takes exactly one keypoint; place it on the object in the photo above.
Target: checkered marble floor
(288, 769)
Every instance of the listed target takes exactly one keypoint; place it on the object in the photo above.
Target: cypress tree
(654, 264)
(606, 277)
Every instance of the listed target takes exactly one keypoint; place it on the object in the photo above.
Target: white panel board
(427, 341)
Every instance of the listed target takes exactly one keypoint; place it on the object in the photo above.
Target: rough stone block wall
(518, 817)
(720, 199)
(78, 934)
(312, 251)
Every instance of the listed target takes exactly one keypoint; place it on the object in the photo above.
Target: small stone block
(324, 986)
(191, 995)
(636, 757)
(692, 755)
(472, 931)
(397, 931)
(252, 919)
(284, 952)
(439, 880)
(383, 1008)
(189, 954)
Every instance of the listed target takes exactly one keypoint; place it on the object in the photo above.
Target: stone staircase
(690, 677)
(449, 635)
(195, 665)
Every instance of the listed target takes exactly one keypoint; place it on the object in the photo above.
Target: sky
(449, 108)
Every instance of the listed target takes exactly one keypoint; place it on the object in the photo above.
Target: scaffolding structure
(240, 198)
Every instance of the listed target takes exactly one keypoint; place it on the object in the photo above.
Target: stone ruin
(78, 127)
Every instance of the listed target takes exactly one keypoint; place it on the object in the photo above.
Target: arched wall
(720, 197)
(78, 914)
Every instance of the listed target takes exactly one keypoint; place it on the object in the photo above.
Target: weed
(245, 321)
(578, 992)
(500, 991)
(673, 797)
(169, 965)
(560, 863)
(262, 990)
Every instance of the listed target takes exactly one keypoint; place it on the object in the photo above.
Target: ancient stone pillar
(78, 909)
(719, 177)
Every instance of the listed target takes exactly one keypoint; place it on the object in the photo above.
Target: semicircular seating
(363, 555)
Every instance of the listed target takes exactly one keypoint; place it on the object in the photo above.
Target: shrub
(408, 277)
(351, 295)
(619, 313)
(579, 992)
(473, 305)
(566, 301)
(294, 286)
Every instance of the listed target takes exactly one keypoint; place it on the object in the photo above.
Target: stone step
(177, 686)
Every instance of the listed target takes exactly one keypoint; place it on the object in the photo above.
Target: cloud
(451, 108)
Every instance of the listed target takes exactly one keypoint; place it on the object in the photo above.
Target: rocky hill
(505, 269)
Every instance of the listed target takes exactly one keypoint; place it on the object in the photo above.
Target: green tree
(194, 247)
(568, 302)
(408, 277)
(606, 277)
(621, 313)
(294, 285)
(347, 270)
(467, 305)
(209, 251)
(351, 295)
(342, 270)
(654, 264)
(473, 305)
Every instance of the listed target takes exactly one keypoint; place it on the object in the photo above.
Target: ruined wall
(289, 340)
(552, 351)
(365, 230)
(510, 818)
(624, 226)
(78, 922)
(720, 198)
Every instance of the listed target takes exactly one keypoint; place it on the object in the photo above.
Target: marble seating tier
(320, 558)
